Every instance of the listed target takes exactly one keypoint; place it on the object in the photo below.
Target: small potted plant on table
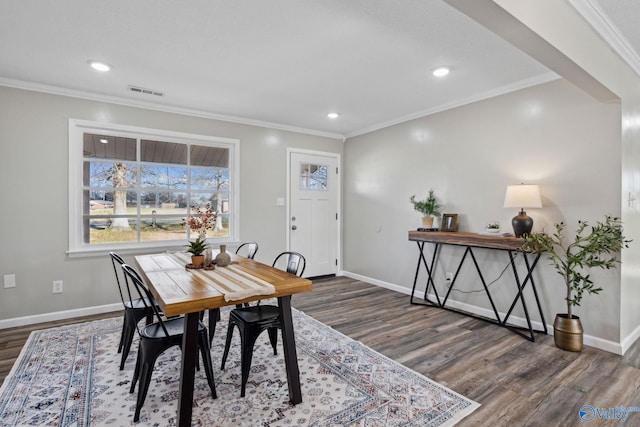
(200, 220)
(196, 249)
(595, 246)
(429, 208)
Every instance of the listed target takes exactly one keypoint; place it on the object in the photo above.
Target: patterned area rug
(69, 376)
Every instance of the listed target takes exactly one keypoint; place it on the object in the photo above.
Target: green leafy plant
(592, 246)
(427, 207)
(197, 247)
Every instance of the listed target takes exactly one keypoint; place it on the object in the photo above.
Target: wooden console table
(471, 241)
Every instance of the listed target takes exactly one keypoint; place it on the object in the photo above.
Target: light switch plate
(9, 281)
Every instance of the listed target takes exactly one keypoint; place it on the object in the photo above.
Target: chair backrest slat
(117, 261)
(295, 262)
(133, 279)
(252, 248)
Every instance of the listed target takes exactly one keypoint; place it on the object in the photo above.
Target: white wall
(588, 46)
(34, 199)
(553, 135)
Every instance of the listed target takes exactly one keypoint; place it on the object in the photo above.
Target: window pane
(113, 230)
(112, 203)
(313, 177)
(163, 177)
(222, 227)
(219, 201)
(158, 227)
(209, 156)
(101, 174)
(209, 179)
(109, 147)
(163, 152)
(200, 199)
(164, 202)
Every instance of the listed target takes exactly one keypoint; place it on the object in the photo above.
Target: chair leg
(124, 322)
(273, 338)
(205, 350)
(127, 337)
(247, 342)
(149, 352)
(214, 317)
(136, 372)
(145, 380)
(227, 343)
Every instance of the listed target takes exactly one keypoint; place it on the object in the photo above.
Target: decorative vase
(567, 332)
(427, 221)
(223, 258)
(197, 261)
(208, 257)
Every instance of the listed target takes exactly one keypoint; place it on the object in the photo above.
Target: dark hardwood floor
(518, 383)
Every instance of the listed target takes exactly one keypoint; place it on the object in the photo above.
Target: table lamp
(522, 196)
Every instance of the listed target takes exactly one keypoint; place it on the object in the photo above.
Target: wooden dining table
(182, 291)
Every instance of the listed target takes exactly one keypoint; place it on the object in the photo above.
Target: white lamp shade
(522, 196)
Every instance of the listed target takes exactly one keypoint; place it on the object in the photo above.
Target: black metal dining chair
(135, 310)
(250, 248)
(252, 321)
(157, 337)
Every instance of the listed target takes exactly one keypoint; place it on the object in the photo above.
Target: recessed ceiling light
(98, 65)
(440, 71)
(104, 140)
(333, 115)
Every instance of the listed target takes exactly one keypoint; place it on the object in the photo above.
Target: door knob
(293, 227)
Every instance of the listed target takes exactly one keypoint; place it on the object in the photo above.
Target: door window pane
(313, 177)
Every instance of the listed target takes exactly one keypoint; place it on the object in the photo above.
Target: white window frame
(77, 128)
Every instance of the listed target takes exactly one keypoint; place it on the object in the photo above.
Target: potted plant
(200, 220)
(493, 227)
(196, 249)
(592, 246)
(429, 208)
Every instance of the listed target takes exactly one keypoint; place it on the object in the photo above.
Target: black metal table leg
(423, 261)
(188, 369)
(289, 346)
(520, 296)
(520, 285)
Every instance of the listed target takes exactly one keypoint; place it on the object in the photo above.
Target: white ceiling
(283, 63)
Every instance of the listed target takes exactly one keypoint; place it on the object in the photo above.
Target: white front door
(313, 213)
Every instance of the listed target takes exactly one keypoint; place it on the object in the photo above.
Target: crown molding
(54, 90)
(598, 19)
(522, 84)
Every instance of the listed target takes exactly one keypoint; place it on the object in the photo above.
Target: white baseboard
(602, 344)
(58, 315)
(589, 340)
(630, 339)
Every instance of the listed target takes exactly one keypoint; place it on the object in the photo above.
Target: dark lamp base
(522, 224)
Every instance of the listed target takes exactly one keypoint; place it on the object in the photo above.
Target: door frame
(338, 158)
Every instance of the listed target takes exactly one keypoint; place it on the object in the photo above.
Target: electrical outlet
(448, 276)
(57, 287)
(9, 281)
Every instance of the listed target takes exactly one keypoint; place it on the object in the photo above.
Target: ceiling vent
(138, 89)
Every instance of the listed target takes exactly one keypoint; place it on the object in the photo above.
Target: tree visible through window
(137, 190)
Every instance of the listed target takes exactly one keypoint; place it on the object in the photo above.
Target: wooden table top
(467, 239)
(178, 290)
